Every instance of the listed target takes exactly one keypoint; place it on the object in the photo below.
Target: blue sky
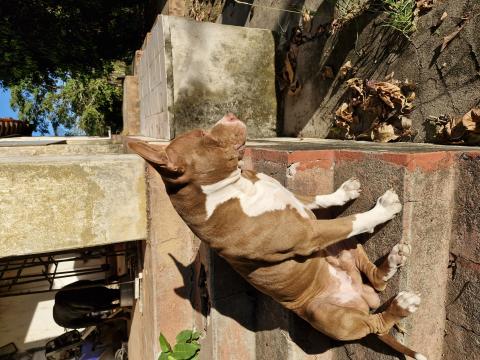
(5, 110)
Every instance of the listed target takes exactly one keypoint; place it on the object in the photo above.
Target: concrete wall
(186, 286)
(190, 74)
(438, 220)
(50, 203)
(447, 80)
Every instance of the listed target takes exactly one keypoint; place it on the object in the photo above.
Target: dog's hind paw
(407, 302)
(397, 258)
(350, 189)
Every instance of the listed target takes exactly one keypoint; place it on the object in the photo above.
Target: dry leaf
(289, 76)
(389, 93)
(344, 112)
(384, 133)
(447, 39)
(357, 84)
(327, 73)
(471, 120)
(345, 69)
(443, 17)
(389, 77)
(306, 16)
(458, 130)
(422, 6)
(376, 111)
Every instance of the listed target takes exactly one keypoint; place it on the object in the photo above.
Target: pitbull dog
(272, 238)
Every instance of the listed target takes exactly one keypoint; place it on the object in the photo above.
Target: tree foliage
(87, 103)
(42, 40)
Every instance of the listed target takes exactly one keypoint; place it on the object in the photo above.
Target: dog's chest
(256, 197)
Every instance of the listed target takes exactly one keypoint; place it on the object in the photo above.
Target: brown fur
(268, 249)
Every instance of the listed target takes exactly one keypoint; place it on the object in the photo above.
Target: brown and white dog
(272, 238)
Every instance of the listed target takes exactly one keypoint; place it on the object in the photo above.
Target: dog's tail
(394, 344)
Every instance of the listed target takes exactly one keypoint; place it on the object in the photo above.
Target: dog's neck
(190, 199)
(231, 179)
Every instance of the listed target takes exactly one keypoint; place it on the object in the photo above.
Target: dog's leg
(349, 190)
(378, 276)
(324, 233)
(344, 323)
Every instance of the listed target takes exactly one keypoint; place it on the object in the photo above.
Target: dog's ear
(157, 155)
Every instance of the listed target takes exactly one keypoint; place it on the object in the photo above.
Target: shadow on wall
(230, 295)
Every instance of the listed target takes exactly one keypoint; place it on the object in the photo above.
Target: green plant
(401, 15)
(346, 10)
(186, 348)
(89, 103)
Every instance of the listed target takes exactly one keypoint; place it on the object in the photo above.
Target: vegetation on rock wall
(186, 348)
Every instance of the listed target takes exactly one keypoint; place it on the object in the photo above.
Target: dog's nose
(230, 119)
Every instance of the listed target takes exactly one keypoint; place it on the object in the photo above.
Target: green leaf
(184, 336)
(185, 351)
(196, 335)
(170, 357)
(164, 356)
(164, 345)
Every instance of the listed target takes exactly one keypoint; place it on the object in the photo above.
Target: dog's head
(199, 156)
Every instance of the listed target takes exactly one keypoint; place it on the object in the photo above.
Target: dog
(272, 238)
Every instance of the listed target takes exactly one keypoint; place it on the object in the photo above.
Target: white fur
(387, 206)
(349, 190)
(408, 301)
(419, 356)
(397, 258)
(345, 292)
(256, 198)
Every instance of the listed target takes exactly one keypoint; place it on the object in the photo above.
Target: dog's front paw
(389, 204)
(397, 258)
(405, 303)
(350, 189)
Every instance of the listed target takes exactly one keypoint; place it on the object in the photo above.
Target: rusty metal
(11, 127)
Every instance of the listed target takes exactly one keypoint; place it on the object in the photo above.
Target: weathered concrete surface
(429, 180)
(42, 140)
(61, 149)
(50, 203)
(131, 106)
(166, 288)
(462, 336)
(448, 81)
(191, 74)
(185, 285)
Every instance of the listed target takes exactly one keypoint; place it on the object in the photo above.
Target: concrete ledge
(439, 219)
(52, 203)
(438, 186)
(61, 149)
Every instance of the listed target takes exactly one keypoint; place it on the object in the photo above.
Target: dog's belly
(291, 283)
(346, 287)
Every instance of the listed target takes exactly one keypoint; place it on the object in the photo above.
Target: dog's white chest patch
(345, 291)
(256, 198)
